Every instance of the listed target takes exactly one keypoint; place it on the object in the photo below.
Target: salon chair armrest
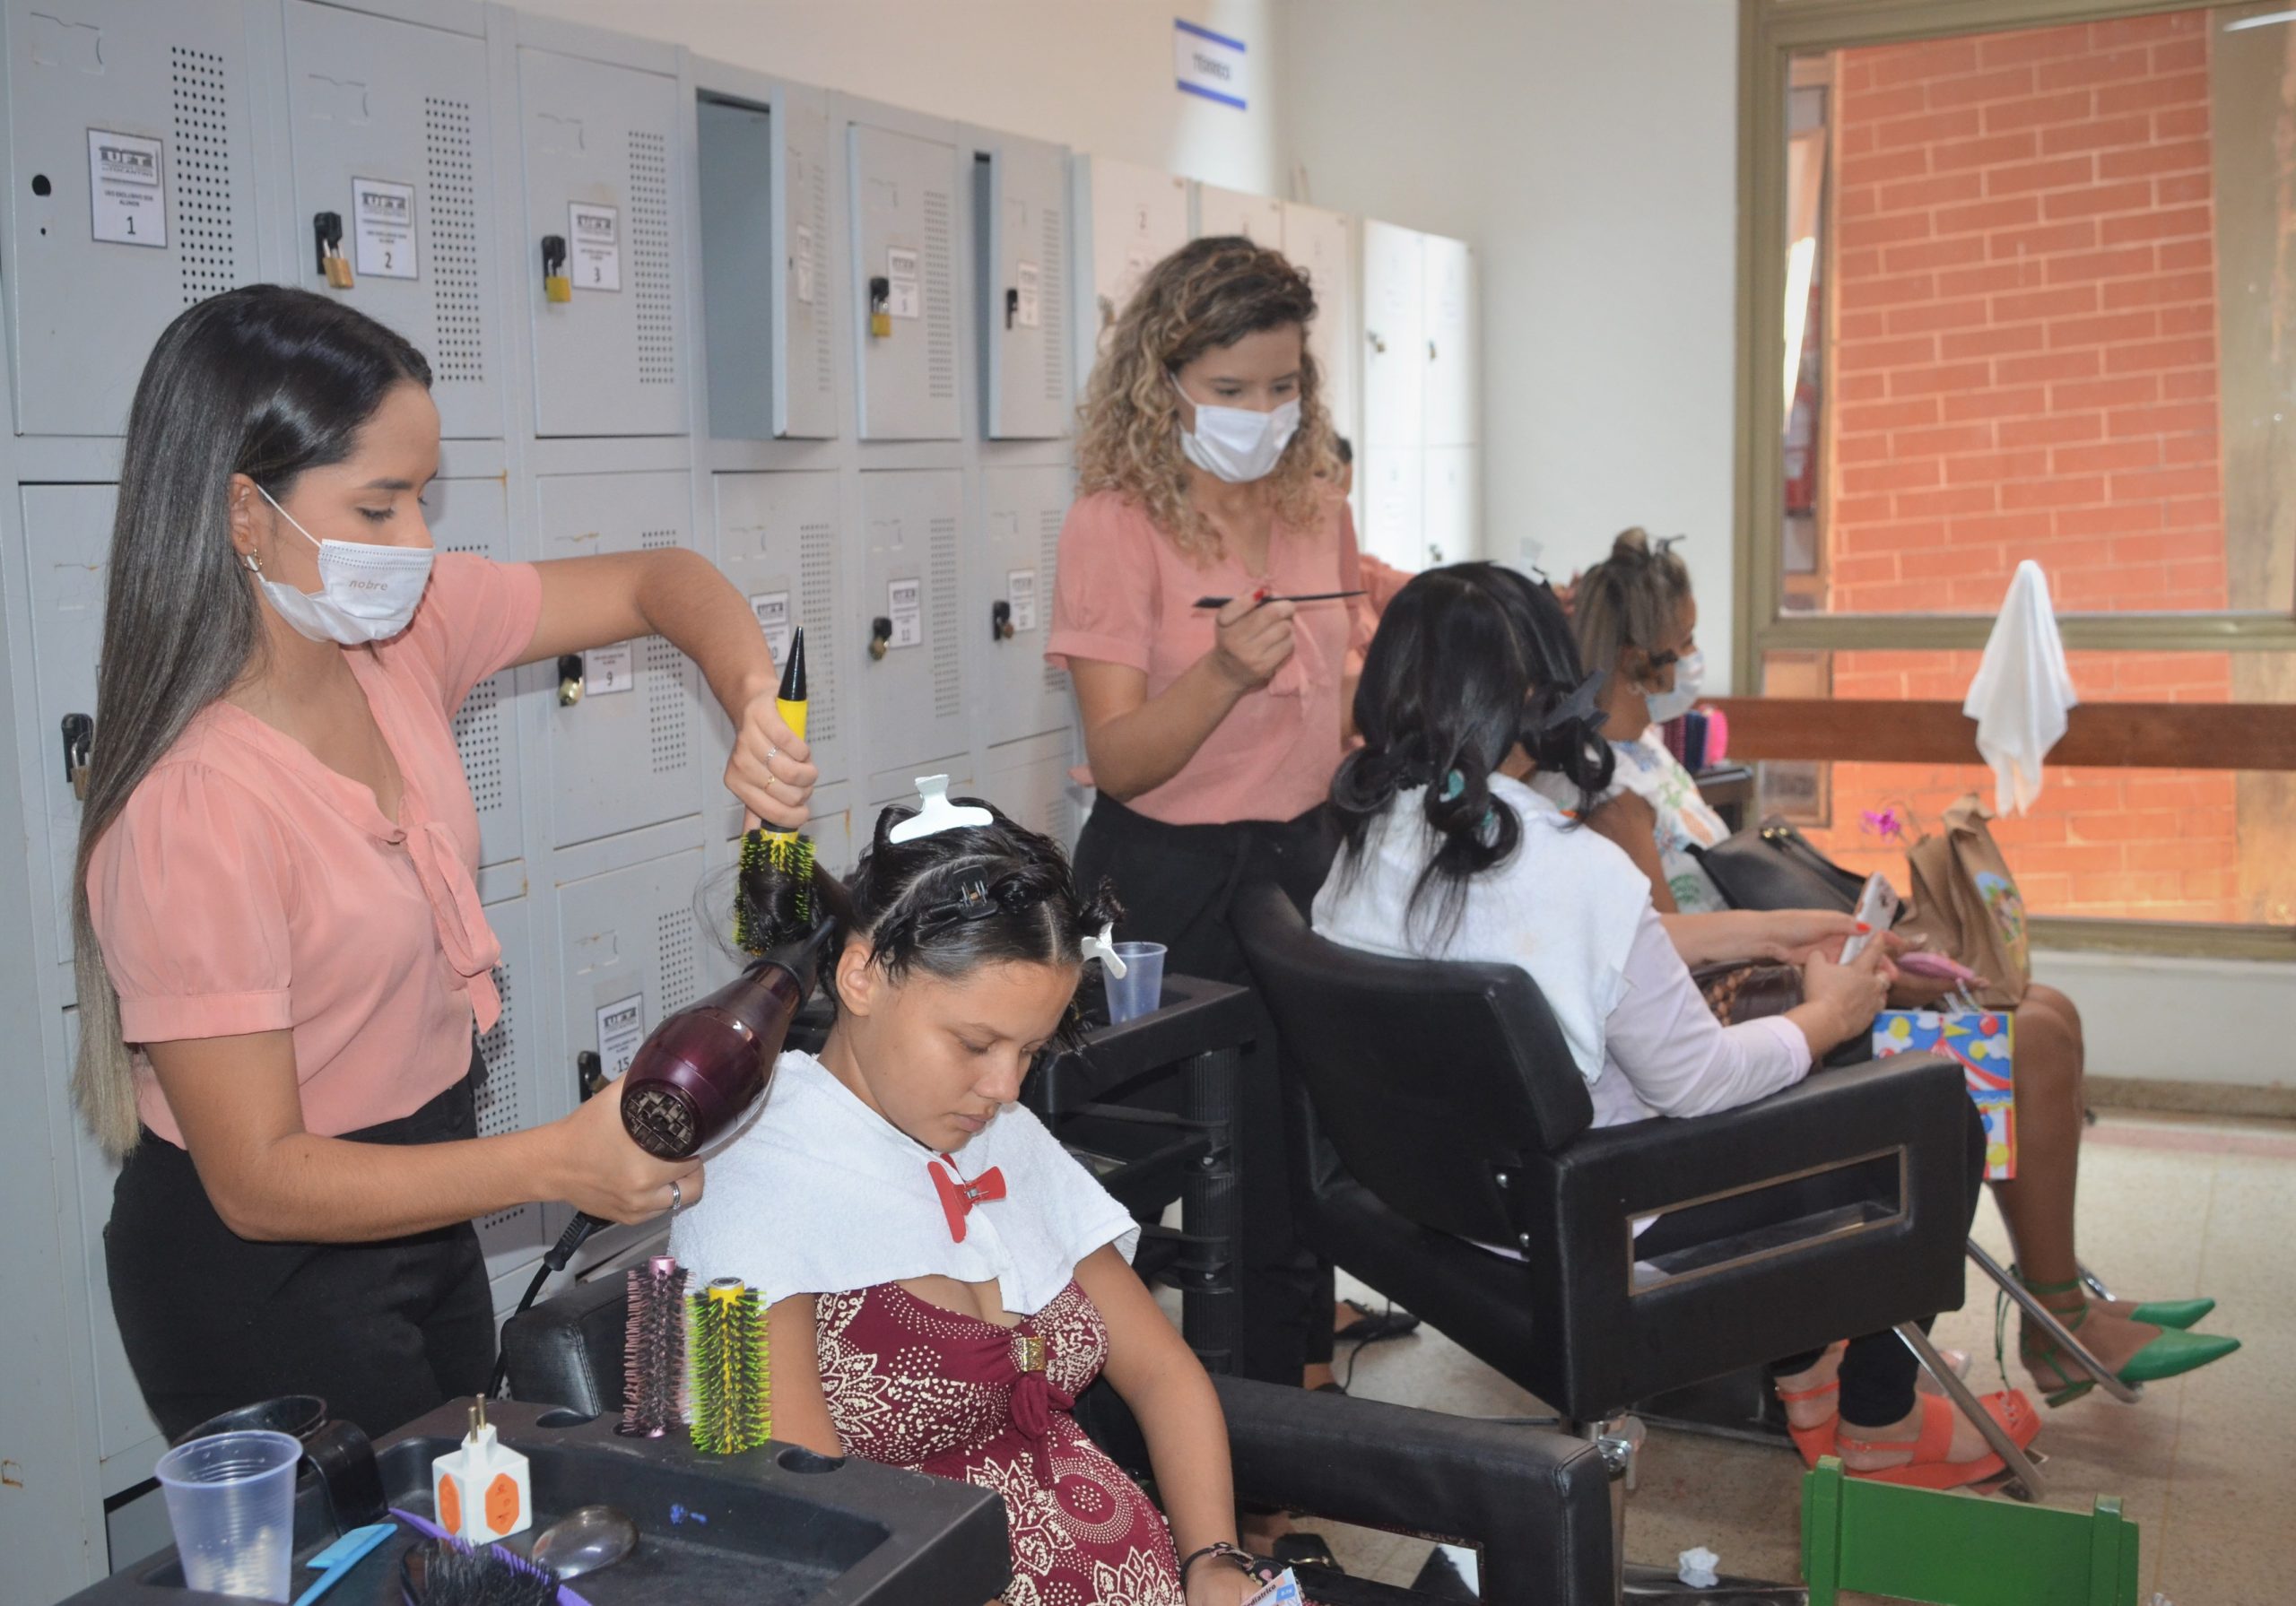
(566, 1349)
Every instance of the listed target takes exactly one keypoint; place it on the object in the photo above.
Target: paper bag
(1966, 904)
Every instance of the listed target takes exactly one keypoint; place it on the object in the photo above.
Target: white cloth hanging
(2021, 692)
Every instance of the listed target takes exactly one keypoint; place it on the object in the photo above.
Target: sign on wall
(1208, 64)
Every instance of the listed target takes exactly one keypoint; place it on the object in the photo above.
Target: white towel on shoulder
(2022, 691)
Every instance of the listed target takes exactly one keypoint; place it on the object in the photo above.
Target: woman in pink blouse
(281, 960)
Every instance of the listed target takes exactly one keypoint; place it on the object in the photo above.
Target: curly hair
(1207, 295)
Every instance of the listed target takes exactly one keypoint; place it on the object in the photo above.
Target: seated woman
(1636, 617)
(943, 1278)
(1470, 690)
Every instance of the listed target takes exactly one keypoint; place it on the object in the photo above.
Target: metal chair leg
(2025, 1480)
(2058, 1332)
(1620, 1441)
(2096, 1283)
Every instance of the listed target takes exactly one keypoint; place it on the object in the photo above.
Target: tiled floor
(2205, 1464)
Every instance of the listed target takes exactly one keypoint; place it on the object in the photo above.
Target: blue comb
(341, 1556)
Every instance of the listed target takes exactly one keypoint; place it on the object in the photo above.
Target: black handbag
(1774, 867)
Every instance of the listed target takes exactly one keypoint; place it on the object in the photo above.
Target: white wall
(1093, 74)
(1586, 148)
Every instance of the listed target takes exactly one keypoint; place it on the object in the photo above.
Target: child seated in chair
(942, 1278)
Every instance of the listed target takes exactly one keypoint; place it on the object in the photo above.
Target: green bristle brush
(774, 901)
(731, 1384)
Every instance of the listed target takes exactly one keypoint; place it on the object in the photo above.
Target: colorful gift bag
(1982, 1041)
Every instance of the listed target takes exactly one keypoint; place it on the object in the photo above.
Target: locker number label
(622, 1027)
(607, 670)
(906, 300)
(383, 214)
(905, 606)
(1021, 596)
(596, 232)
(126, 199)
(1026, 284)
(773, 611)
(801, 266)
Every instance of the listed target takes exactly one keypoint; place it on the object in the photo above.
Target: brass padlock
(79, 741)
(555, 285)
(1000, 620)
(569, 680)
(880, 637)
(880, 307)
(327, 236)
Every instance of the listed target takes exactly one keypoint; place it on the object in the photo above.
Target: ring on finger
(677, 1196)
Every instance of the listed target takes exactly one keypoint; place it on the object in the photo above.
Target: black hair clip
(1581, 704)
(972, 902)
(1667, 543)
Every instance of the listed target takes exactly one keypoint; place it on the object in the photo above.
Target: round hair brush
(774, 896)
(732, 1387)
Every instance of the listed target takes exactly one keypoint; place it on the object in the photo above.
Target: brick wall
(2024, 366)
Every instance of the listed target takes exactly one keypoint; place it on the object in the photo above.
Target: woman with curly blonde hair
(1206, 470)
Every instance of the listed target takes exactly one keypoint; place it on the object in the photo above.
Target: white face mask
(1690, 681)
(1237, 444)
(366, 592)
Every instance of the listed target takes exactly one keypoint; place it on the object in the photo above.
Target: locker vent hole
(1048, 522)
(649, 256)
(940, 321)
(821, 343)
(948, 694)
(1052, 281)
(499, 1102)
(458, 350)
(478, 737)
(817, 606)
(206, 248)
(674, 939)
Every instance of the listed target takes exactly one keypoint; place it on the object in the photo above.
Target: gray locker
(509, 1099)
(1257, 218)
(1450, 399)
(390, 134)
(1451, 526)
(1395, 336)
(602, 179)
(908, 608)
(1020, 231)
(1029, 780)
(1022, 509)
(67, 546)
(766, 302)
(632, 751)
(131, 193)
(1322, 244)
(629, 952)
(781, 541)
(473, 516)
(902, 194)
(1138, 216)
(1393, 481)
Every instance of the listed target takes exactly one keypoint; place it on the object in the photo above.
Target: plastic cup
(1140, 989)
(231, 1502)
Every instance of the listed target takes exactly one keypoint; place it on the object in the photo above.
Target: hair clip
(972, 902)
(936, 813)
(1454, 785)
(1581, 704)
(1667, 543)
(1104, 949)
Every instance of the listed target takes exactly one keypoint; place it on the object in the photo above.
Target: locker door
(473, 516)
(912, 673)
(67, 545)
(1139, 218)
(1021, 222)
(631, 752)
(1023, 508)
(602, 179)
(510, 1097)
(779, 541)
(131, 193)
(1257, 218)
(903, 196)
(389, 122)
(1393, 510)
(125, 1434)
(1451, 402)
(1452, 531)
(1322, 244)
(804, 324)
(1030, 782)
(629, 952)
(1395, 339)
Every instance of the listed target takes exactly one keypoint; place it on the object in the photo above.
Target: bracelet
(1235, 1553)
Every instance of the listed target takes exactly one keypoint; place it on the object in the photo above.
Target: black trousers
(383, 1332)
(1177, 883)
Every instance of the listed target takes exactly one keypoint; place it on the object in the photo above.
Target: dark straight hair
(1469, 662)
(265, 381)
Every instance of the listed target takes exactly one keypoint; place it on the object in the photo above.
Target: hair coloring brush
(774, 901)
(653, 1349)
(732, 1379)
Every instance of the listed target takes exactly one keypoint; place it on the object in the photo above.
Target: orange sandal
(1929, 1469)
(1818, 1440)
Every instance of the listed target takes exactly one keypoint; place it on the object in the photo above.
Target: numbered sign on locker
(765, 247)
(1450, 289)
(628, 737)
(1020, 227)
(781, 541)
(1257, 218)
(904, 222)
(908, 607)
(1011, 599)
(1322, 244)
(67, 544)
(131, 193)
(473, 515)
(1393, 484)
(1395, 336)
(394, 182)
(1136, 217)
(603, 198)
(510, 1097)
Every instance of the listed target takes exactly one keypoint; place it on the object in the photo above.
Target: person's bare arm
(1630, 821)
(800, 1410)
(1135, 742)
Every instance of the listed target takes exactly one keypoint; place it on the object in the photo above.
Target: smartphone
(1877, 911)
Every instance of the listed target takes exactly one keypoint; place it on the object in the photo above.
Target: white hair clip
(936, 813)
(1103, 949)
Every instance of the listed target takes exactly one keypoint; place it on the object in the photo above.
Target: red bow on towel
(958, 1196)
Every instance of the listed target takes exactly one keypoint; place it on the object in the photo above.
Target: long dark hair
(265, 381)
(1469, 662)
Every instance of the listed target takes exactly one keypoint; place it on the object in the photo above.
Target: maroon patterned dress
(911, 1384)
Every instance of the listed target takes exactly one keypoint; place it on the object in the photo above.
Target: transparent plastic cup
(231, 1502)
(1140, 989)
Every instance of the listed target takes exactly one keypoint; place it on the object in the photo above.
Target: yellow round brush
(775, 900)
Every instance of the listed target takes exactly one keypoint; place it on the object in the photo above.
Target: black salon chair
(1435, 1106)
(1536, 1503)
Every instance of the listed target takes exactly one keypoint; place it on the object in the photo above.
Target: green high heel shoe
(2171, 1355)
(2179, 1314)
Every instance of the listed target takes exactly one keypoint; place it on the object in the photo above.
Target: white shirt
(1571, 909)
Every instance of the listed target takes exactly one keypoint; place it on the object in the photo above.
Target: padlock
(1000, 620)
(79, 741)
(880, 637)
(881, 314)
(327, 236)
(1012, 307)
(555, 285)
(569, 680)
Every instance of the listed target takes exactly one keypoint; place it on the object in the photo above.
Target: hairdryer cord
(578, 1230)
